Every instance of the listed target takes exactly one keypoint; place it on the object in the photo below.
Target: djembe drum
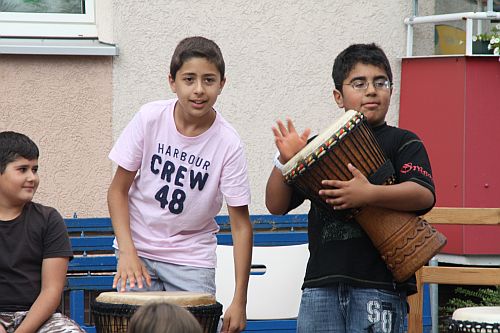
(113, 310)
(405, 241)
(482, 319)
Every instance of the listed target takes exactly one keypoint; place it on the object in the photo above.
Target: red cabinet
(453, 104)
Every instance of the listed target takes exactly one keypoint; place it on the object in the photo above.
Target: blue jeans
(345, 309)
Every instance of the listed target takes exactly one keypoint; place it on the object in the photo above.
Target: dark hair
(196, 47)
(163, 318)
(368, 54)
(14, 145)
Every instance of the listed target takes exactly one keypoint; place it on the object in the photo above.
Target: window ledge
(86, 47)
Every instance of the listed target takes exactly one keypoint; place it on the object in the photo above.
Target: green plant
(493, 37)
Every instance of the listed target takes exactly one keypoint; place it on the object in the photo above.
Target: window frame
(50, 25)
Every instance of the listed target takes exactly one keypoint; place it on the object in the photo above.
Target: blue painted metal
(77, 312)
(278, 325)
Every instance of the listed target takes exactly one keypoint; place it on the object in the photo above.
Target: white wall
(279, 57)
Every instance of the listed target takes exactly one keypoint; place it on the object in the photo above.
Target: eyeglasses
(379, 84)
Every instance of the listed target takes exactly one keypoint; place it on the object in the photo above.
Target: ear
(337, 95)
(222, 83)
(171, 82)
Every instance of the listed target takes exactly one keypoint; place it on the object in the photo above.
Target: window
(48, 18)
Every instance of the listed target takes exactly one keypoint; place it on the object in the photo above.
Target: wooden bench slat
(461, 275)
(461, 215)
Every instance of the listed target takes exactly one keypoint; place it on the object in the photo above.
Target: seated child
(34, 246)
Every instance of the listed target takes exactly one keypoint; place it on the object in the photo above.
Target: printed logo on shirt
(168, 165)
(407, 167)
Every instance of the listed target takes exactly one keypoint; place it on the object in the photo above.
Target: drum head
(181, 298)
(317, 142)
(482, 314)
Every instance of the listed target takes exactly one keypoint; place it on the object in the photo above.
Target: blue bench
(91, 271)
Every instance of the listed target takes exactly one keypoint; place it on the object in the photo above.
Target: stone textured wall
(279, 57)
(64, 105)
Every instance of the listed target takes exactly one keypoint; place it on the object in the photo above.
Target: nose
(31, 176)
(370, 90)
(198, 87)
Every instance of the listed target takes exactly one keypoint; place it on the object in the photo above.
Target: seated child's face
(19, 182)
(373, 101)
(197, 84)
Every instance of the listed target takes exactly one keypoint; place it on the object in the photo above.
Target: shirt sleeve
(412, 164)
(56, 241)
(128, 149)
(234, 179)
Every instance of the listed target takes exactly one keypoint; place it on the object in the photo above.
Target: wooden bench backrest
(453, 275)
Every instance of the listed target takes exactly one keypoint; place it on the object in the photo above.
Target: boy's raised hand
(353, 193)
(288, 141)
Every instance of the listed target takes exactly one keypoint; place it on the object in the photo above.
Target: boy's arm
(129, 265)
(359, 192)
(289, 143)
(241, 230)
(278, 193)
(53, 280)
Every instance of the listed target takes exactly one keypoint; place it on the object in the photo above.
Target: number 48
(176, 204)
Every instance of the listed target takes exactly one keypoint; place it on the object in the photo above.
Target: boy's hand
(2, 329)
(288, 141)
(235, 319)
(353, 193)
(130, 267)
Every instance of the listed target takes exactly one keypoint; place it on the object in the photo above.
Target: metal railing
(469, 17)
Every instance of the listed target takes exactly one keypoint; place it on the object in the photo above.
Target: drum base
(457, 326)
(406, 242)
(114, 318)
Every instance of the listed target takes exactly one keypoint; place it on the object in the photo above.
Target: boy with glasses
(347, 286)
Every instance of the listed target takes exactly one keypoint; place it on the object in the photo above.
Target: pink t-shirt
(180, 184)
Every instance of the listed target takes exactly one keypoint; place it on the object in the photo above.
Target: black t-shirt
(38, 233)
(340, 251)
